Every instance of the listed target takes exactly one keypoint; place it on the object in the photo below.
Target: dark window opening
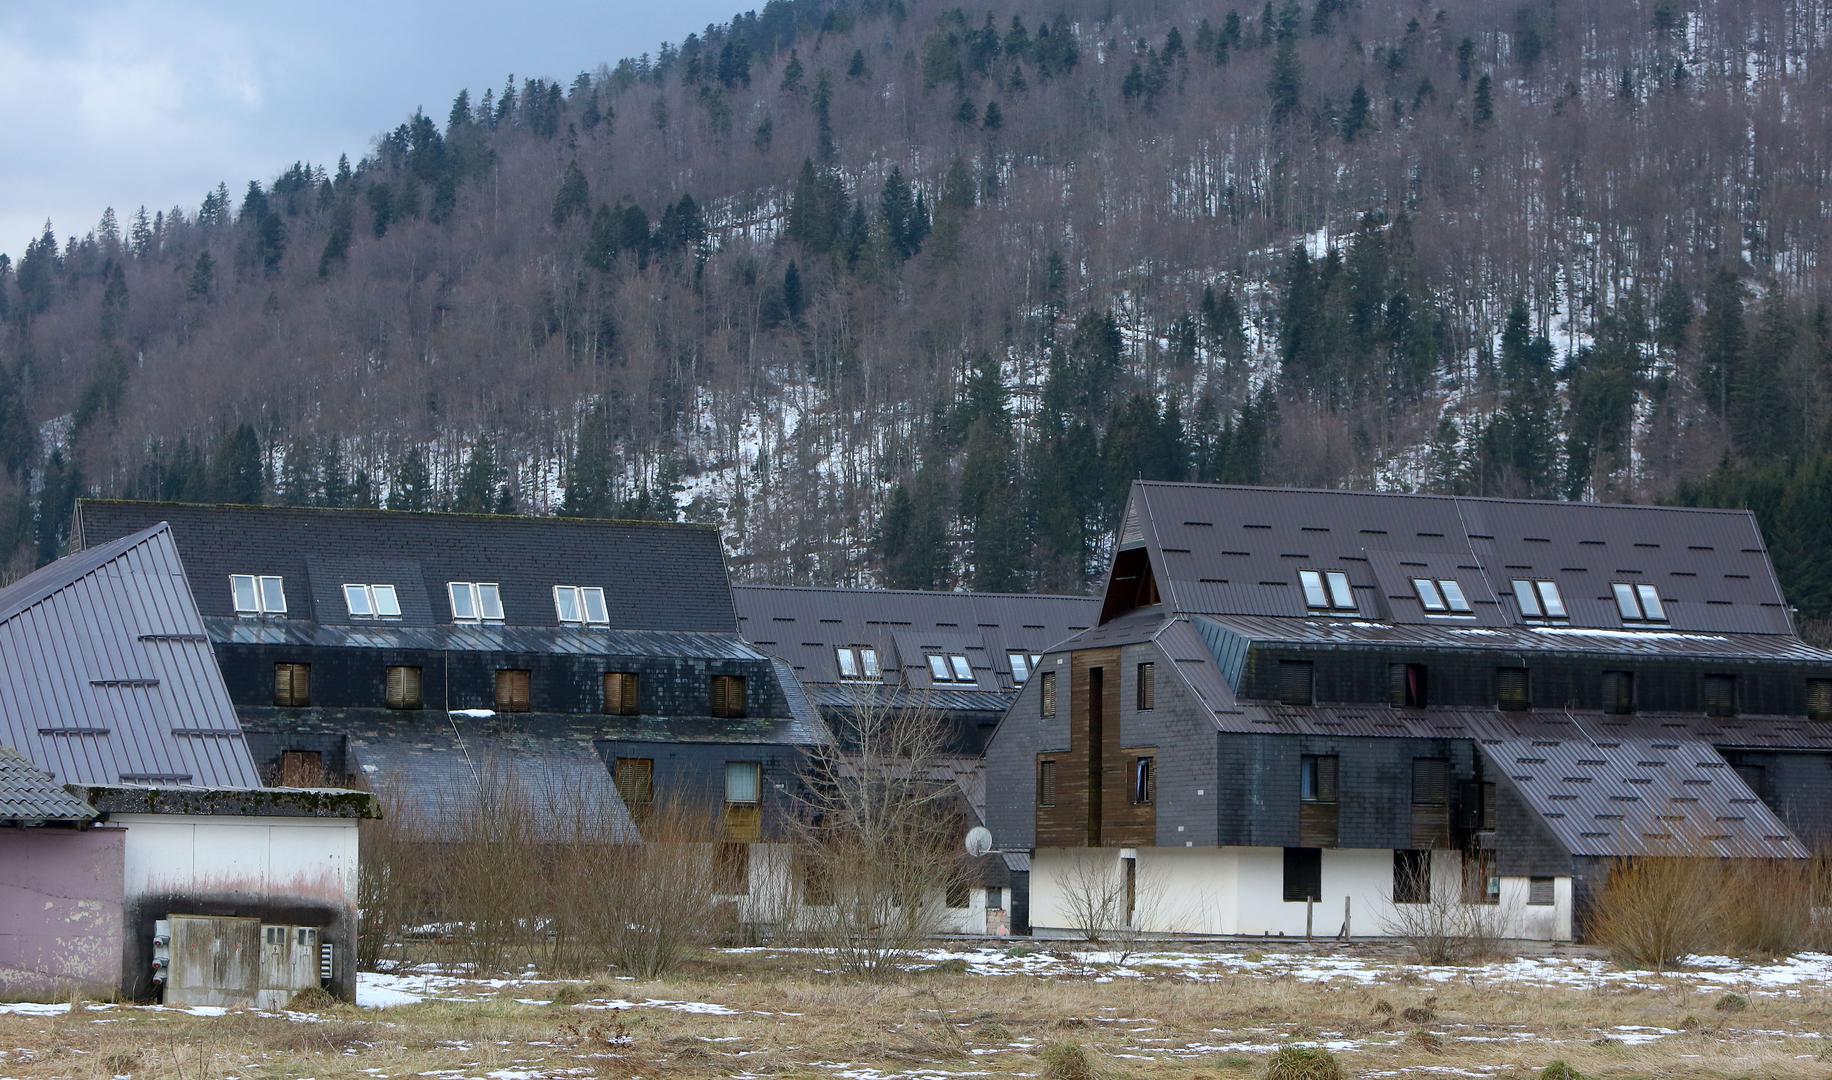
(1720, 693)
(1488, 806)
(1303, 874)
(293, 685)
(512, 690)
(1144, 781)
(1753, 775)
(1317, 778)
(302, 768)
(1513, 689)
(1411, 877)
(1407, 685)
(959, 893)
(1481, 884)
(1430, 782)
(1294, 682)
(1819, 699)
(1619, 692)
(1147, 689)
(728, 696)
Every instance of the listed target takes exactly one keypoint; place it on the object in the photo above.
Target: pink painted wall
(60, 912)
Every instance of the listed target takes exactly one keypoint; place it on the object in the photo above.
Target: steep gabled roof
(1236, 551)
(107, 676)
(805, 626)
(655, 575)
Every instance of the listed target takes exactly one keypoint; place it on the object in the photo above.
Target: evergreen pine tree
(1721, 339)
(1285, 85)
(411, 486)
(1484, 109)
(574, 196)
(237, 475)
(477, 482)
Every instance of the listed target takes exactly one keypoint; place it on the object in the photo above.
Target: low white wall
(305, 858)
(1240, 890)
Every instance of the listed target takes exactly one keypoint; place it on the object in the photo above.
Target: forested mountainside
(906, 292)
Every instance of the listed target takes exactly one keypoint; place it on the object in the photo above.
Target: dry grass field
(1016, 1011)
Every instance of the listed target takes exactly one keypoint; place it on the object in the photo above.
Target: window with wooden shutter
(621, 693)
(1819, 699)
(1513, 689)
(1406, 685)
(1294, 682)
(293, 685)
(636, 781)
(1317, 778)
(1619, 692)
(1046, 694)
(1046, 783)
(512, 690)
(1148, 692)
(1542, 891)
(1720, 693)
(1430, 782)
(728, 696)
(402, 687)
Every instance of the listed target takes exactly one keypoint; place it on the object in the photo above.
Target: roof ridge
(1740, 511)
(914, 592)
(42, 583)
(458, 515)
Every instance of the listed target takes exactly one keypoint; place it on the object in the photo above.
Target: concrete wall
(60, 912)
(296, 871)
(1240, 890)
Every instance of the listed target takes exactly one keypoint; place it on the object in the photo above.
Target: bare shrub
(1444, 927)
(394, 876)
(1654, 911)
(877, 839)
(491, 873)
(1103, 905)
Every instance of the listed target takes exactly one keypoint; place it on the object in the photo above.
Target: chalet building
(139, 852)
(964, 656)
(593, 664)
(1310, 707)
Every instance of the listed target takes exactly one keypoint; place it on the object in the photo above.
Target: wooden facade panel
(1093, 802)
(1318, 824)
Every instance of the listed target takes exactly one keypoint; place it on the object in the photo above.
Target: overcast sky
(126, 103)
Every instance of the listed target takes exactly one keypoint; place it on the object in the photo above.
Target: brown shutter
(1430, 782)
(636, 781)
(1513, 689)
(728, 695)
(404, 687)
(622, 693)
(1326, 778)
(293, 685)
(1046, 694)
(512, 691)
(1295, 682)
(1396, 685)
(1046, 783)
(1148, 691)
(1819, 699)
(1720, 695)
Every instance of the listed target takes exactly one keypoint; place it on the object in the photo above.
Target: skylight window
(950, 668)
(1441, 596)
(258, 595)
(372, 601)
(476, 601)
(1327, 590)
(1639, 603)
(1022, 664)
(580, 605)
(858, 663)
(1539, 599)
(963, 671)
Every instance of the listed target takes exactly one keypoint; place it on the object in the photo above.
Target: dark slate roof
(107, 676)
(29, 797)
(512, 639)
(805, 626)
(655, 576)
(1236, 551)
(1609, 797)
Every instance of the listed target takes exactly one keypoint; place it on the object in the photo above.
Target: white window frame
(938, 668)
(1329, 592)
(1454, 596)
(962, 668)
(259, 584)
(590, 595)
(1539, 598)
(581, 597)
(1429, 596)
(485, 598)
(1442, 597)
(1020, 667)
(849, 664)
(372, 598)
(858, 663)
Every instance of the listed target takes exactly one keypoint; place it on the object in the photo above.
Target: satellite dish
(979, 841)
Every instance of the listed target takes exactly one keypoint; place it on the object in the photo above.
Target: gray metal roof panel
(107, 676)
(29, 797)
(597, 641)
(632, 561)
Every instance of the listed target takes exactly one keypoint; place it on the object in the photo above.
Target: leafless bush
(490, 877)
(1443, 927)
(1106, 902)
(395, 875)
(877, 839)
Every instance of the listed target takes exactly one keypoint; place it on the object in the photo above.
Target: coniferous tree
(1721, 339)
(237, 476)
(411, 486)
(1285, 86)
(1483, 112)
(477, 483)
(573, 198)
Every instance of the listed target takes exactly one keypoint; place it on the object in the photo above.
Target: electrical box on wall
(231, 960)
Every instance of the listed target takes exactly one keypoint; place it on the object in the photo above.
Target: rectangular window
(356, 599)
(579, 605)
(963, 671)
(622, 693)
(1527, 599)
(402, 689)
(1429, 596)
(1148, 690)
(595, 610)
(1488, 806)
(566, 604)
(1020, 667)
(742, 782)
(1513, 689)
(728, 696)
(1539, 599)
(1317, 778)
(1542, 891)
(858, 663)
(938, 668)
(1144, 782)
(1430, 782)
(635, 781)
(1550, 600)
(1481, 884)
(868, 662)
(1327, 590)
(476, 601)
(512, 690)
(849, 664)
(464, 601)
(1341, 597)
(1619, 692)
(1819, 699)
(1720, 693)
(1046, 783)
(489, 601)
(1314, 596)
(1406, 685)
(1303, 874)
(372, 601)
(1411, 876)
(257, 595)
(1638, 603)
(1453, 596)
(1294, 682)
(1046, 696)
(293, 685)
(1753, 775)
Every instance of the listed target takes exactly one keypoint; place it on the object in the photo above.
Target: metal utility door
(289, 963)
(216, 960)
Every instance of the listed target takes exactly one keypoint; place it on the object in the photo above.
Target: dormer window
(1639, 603)
(1539, 599)
(1327, 590)
(1022, 664)
(858, 663)
(950, 668)
(264, 594)
(372, 602)
(579, 605)
(476, 601)
(1441, 596)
